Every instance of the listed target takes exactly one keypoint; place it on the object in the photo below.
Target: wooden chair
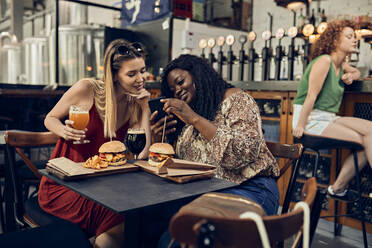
(292, 153)
(20, 210)
(208, 230)
(5, 124)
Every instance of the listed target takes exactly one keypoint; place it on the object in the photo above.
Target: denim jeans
(262, 190)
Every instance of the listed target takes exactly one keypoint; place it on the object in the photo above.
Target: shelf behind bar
(23, 89)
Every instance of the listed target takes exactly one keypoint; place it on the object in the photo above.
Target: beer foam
(75, 111)
(141, 131)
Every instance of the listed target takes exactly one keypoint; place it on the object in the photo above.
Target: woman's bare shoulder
(83, 87)
(81, 91)
(323, 61)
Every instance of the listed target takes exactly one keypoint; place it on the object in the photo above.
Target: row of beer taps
(267, 54)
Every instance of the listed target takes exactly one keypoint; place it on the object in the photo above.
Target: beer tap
(211, 44)
(252, 55)
(266, 54)
(230, 40)
(242, 57)
(292, 52)
(307, 31)
(220, 59)
(202, 45)
(279, 34)
(321, 27)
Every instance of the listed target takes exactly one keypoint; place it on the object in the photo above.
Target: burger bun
(162, 148)
(112, 147)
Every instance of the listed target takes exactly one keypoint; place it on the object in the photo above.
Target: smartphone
(156, 105)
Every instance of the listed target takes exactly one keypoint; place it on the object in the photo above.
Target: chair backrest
(16, 141)
(238, 232)
(20, 139)
(291, 152)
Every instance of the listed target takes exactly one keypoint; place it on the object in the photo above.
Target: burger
(112, 152)
(159, 153)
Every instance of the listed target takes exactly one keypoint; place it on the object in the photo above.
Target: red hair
(328, 40)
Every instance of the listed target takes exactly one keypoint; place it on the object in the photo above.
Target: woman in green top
(320, 94)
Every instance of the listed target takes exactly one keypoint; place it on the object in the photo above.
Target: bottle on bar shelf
(323, 16)
(312, 18)
(300, 20)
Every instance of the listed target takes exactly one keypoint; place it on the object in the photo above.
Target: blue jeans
(262, 190)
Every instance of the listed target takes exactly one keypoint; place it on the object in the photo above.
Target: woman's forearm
(205, 127)
(54, 125)
(307, 107)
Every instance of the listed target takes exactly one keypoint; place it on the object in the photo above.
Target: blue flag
(139, 11)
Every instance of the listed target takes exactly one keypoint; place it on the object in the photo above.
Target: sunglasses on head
(125, 50)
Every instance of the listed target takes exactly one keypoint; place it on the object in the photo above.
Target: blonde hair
(104, 90)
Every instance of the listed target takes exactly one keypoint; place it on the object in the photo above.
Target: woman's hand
(298, 131)
(69, 133)
(347, 78)
(181, 109)
(157, 127)
(142, 97)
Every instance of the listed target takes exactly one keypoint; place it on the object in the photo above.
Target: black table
(128, 193)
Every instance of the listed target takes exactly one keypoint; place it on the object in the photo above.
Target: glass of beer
(135, 140)
(80, 116)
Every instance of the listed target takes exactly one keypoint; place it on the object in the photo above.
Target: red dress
(55, 199)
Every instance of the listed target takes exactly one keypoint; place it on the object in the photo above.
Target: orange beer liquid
(80, 119)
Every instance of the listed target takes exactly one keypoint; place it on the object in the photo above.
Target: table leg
(132, 229)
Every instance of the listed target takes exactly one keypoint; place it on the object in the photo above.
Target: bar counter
(13, 90)
(357, 86)
(283, 85)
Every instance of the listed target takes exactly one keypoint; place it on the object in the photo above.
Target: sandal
(332, 193)
(346, 195)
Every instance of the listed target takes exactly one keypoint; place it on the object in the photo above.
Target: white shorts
(317, 122)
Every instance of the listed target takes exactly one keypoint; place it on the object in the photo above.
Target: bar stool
(317, 143)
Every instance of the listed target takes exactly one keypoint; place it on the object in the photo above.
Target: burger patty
(112, 157)
(157, 157)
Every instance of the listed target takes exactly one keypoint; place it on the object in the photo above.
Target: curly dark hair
(209, 85)
(326, 44)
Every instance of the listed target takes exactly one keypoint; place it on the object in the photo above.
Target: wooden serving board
(67, 169)
(185, 179)
(186, 171)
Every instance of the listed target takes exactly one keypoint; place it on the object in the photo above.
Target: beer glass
(80, 116)
(135, 140)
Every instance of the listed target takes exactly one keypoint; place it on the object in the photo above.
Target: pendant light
(293, 5)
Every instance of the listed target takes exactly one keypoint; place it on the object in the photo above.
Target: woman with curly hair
(319, 97)
(212, 122)
(220, 125)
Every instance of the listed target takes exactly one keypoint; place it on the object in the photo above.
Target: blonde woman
(115, 104)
